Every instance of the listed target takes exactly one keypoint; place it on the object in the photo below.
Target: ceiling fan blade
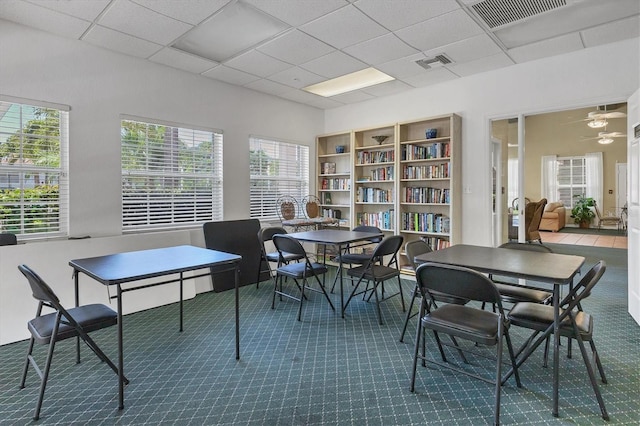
(615, 114)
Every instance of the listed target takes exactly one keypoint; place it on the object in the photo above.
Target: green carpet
(324, 370)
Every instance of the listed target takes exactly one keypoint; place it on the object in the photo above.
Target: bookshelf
(334, 176)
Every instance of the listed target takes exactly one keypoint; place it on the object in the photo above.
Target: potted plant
(582, 211)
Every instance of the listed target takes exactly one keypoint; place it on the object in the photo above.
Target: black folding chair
(61, 325)
(8, 239)
(265, 235)
(483, 328)
(376, 273)
(574, 323)
(300, 272)
(349, 257)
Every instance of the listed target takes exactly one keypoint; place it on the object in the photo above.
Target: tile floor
(609, 241)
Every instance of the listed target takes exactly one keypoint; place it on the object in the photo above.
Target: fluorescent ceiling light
(597, 123)
(349, 82)
(234, 29)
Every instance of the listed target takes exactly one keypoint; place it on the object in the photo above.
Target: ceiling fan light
(605, 141)
(597, 123)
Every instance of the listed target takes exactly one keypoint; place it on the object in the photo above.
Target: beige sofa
(553, 217)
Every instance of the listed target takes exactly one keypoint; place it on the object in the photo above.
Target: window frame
(147, 199)
(24, 169)
(575, 189)
(262, 204)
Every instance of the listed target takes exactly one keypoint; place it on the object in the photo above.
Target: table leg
(556, 348)
(237, 294)
(120, 353)
(77, 289)
(340, 268)
(181, 297)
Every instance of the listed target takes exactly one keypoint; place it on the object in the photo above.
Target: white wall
(588, 77)
(99, 85)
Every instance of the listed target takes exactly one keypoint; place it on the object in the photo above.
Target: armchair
(554, 217)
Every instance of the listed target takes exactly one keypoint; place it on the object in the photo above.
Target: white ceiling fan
(606, 138)
(598, 119)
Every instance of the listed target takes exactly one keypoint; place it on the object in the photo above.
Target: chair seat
(465, 322)
(354, 258)
(376, 272)
(288, 257)
(539, 317)
(90, 317)
(447, 298)
(515, 293)
(300, 270)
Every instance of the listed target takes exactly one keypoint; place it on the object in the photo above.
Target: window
(171, 175)
(276, 169)
(33, 169)
(572, 178)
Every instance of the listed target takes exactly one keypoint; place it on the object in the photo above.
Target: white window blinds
(572, 180)
(276, 169)
(34, 190)
(171, 175)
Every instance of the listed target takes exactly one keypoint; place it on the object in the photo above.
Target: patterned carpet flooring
(324, 370)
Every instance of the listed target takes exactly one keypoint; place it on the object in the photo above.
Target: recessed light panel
(346, 83)
(234, 29)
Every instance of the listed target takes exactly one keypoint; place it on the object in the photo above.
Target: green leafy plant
(582, 212)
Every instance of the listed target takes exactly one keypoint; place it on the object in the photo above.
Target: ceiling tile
(295, 47)
(189, 11)
(181, 60)
(481, 65)
(83, 9)
(353, 97)
(386, 89)
(468, 49)
(574, 17)
(296, 77)
(301, 96)
(381, 49)
(615, 31)
(403, 67)
(324, 103)
(334, 64)
(131, 18)
(297, 12)
(445, 29)
(268, 86)
(344, 27)
(123, 43)
(430, 77)
(399, 14)
(229, 75)
(555, 46)
(257, 63)
(43, 19)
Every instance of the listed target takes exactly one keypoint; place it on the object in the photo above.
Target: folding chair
(265, 235)
(466, 322)
(61, 325)
(351, 258)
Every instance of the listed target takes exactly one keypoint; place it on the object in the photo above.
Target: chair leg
(401, 294)
(324, 291)
(378, 310)
(416, 347)
(496, 408)
(302, 287)
(409, 315)
(27, 362)
(597, 361)
(592, 377)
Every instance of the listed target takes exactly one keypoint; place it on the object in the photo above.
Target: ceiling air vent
(496, 13)
(436, 61)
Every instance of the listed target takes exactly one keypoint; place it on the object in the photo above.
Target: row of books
(374, 195)
(425, 152)
(425, 222)
(433, 171)
(427, 195)
(374, 157)
(336, 184)
(436, 243)
(334, 213)
(382, 220)
(382, 173)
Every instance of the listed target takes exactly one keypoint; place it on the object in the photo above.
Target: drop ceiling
(280, 46)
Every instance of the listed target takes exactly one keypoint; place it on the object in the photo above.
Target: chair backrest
(389, 246)
(595, 207)
(532, 218)
(312, 206)
(415, 248)
(287, 207)
(266, 234)
(286, 244)
(40, 289)
(456, 281)
(367, 228)
(583, 289)
(512, 245)
(7, 239)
